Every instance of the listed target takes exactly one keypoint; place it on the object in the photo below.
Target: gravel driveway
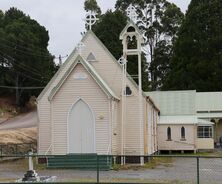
(181, 171)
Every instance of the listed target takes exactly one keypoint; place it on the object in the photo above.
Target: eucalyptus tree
(159, 21)
(197, 60)
(91, 5)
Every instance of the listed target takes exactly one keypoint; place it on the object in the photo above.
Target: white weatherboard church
(81, 110)
(90, 106)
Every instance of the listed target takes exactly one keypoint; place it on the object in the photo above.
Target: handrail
(48, 149)
(108, 150)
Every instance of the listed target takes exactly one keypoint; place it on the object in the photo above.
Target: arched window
(128, 91)
(131, 42)
(131, 29)
(169, 134)
(183, 133)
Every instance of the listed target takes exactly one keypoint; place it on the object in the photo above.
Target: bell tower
(132, 40)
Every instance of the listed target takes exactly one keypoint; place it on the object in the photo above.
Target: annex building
(189, 120)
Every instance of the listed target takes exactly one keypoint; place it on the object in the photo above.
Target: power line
(28, 67)
(28, 76)
(24, 68)
(14, 87)
(27, 48)
(24, 52)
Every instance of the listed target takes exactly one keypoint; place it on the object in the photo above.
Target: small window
(169, 134)
(128, 91)
(91, 57)
(183, 133)
(131, 29)
(204, 131)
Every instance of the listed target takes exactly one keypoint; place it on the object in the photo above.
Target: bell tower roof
(131, 28)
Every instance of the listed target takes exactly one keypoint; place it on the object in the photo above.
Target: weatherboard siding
(114, 133)
(44, 127)
(88, 90)
(176, 143)
(151, 128)
(44, 111)
(111, 72)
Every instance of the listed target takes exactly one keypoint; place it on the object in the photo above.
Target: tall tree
(24, 58)
(197, 59)
(159, 21)
(108, 30)
(91, 5)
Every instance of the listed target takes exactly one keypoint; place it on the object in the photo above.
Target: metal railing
(158, 169)
(17, 149)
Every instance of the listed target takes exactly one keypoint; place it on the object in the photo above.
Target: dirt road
(22, 121)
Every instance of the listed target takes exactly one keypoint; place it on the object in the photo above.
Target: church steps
(80, 161)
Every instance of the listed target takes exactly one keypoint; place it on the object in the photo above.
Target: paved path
(21, 121)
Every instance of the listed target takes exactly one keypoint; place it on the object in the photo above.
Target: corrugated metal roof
(178, 120)
(209, 101)
(169, 120)
(204, 122)
(175, 103)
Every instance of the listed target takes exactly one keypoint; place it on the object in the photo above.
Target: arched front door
(81, 129)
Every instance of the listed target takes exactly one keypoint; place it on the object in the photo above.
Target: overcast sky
(63, 18)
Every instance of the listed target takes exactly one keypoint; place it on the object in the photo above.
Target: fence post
(198, 170)
(16, 149)
(1, 150)
(97, 163)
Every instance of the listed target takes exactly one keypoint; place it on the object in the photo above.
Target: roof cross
(90, 19)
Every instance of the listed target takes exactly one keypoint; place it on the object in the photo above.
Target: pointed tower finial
(131, 13)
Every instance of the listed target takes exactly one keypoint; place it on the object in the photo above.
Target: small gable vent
(91, 57)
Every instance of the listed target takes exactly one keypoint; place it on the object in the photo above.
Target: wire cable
(24, 52)
(27, 48)
(14, 87)
(24, 68)
(28, 67)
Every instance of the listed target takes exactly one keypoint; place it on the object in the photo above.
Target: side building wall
(176, 142)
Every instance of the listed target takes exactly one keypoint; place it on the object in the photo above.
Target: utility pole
(60, 57)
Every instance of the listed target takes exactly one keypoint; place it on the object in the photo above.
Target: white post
(122, 118)
(30, 161)
(124, 92)
(123, 104)
(140, 109)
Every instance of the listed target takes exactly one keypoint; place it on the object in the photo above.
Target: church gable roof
(131, 24)
(63, 67)
(91, 71)
(110, 54)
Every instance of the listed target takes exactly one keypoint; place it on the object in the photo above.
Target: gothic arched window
(128, 91)
(183, 133)
(131, 42)
(169, 134)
